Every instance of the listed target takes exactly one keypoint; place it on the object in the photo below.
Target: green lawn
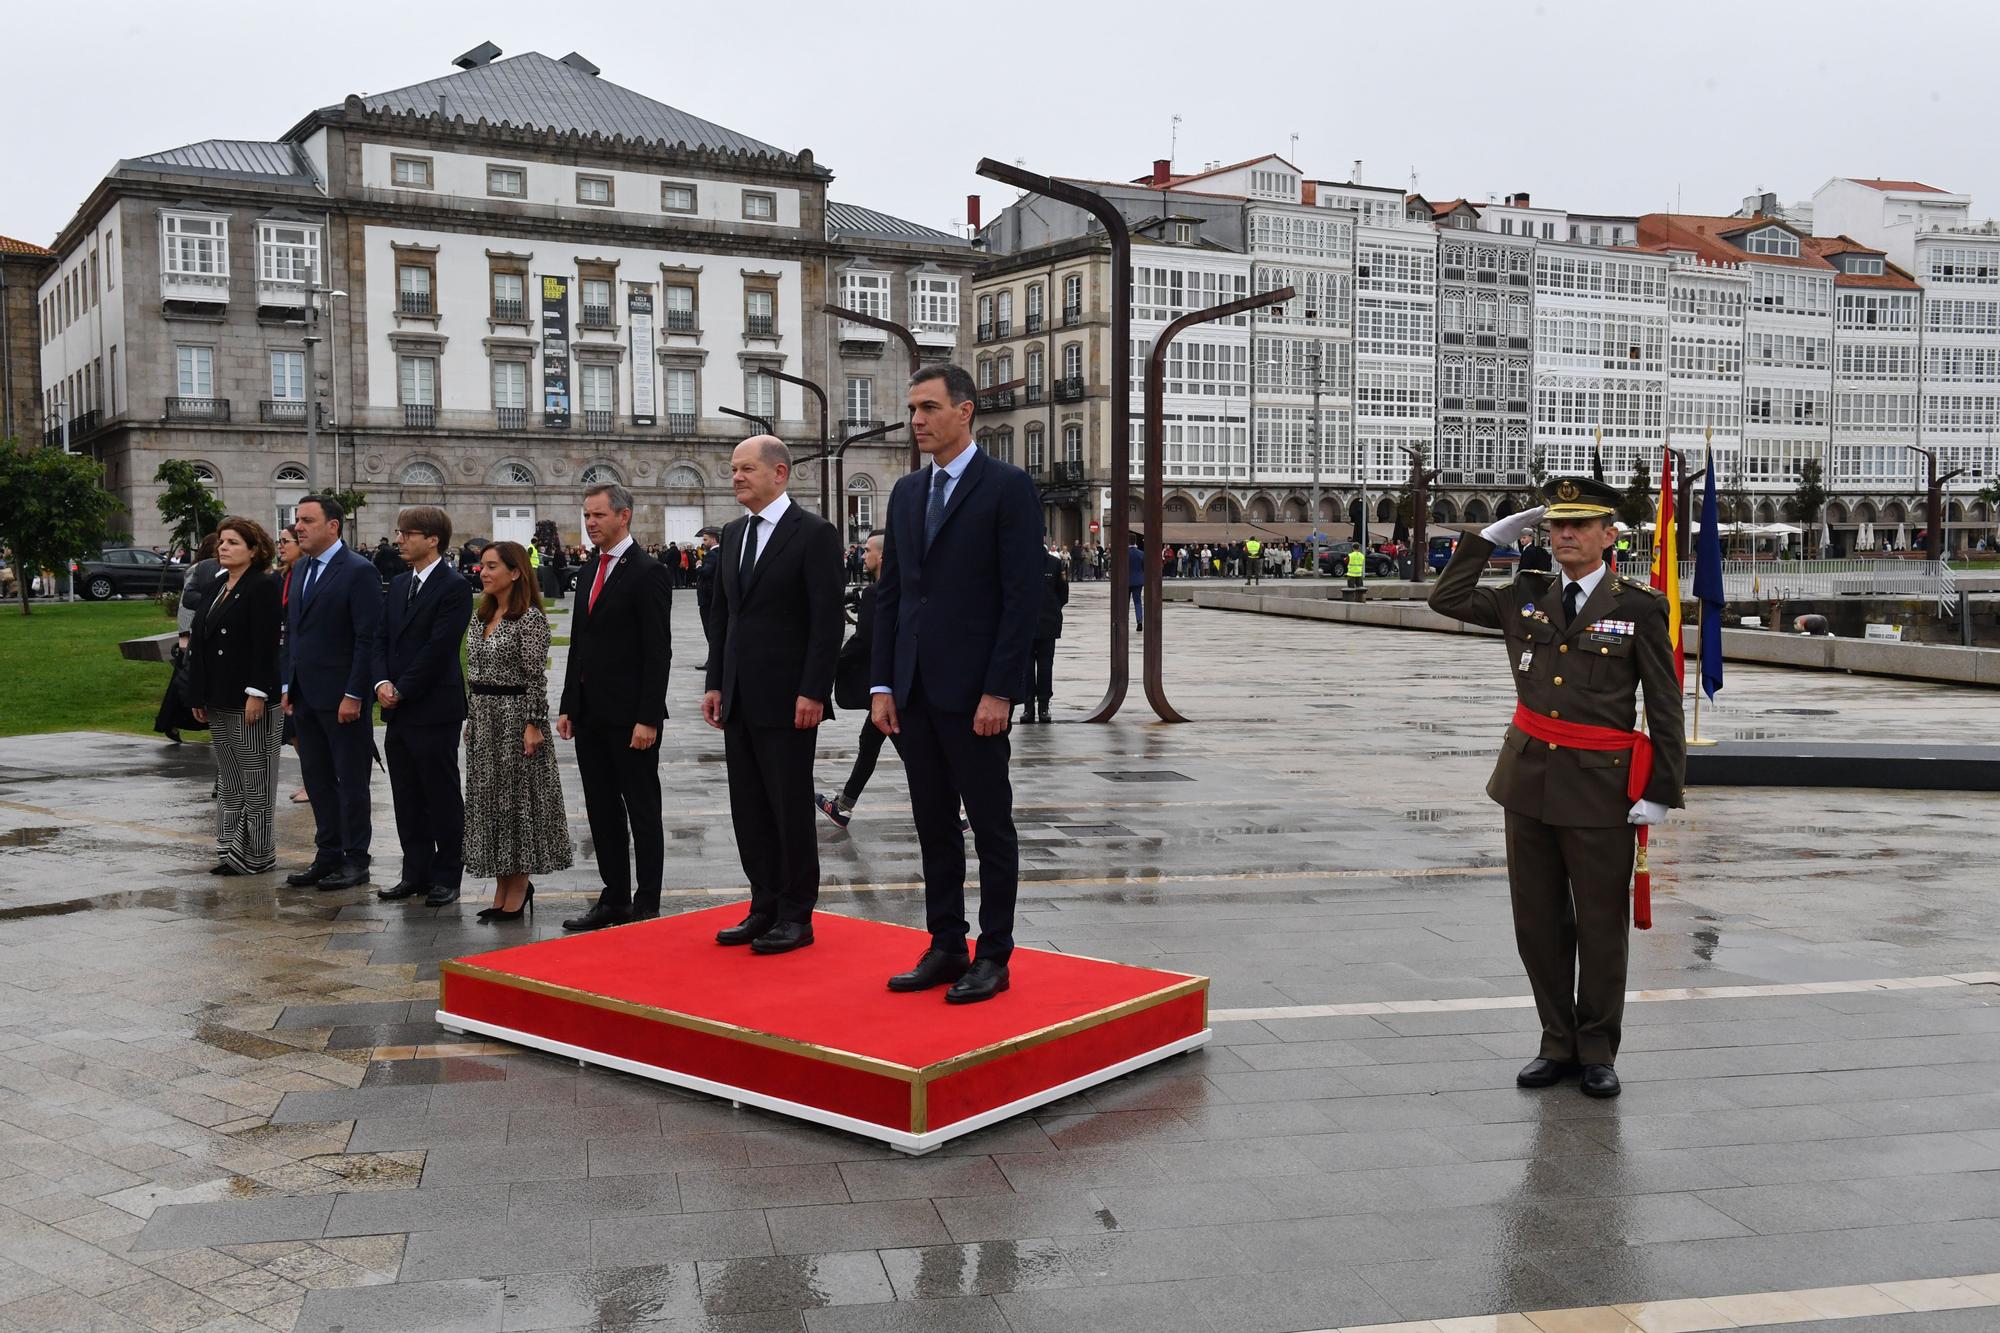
(60, 669)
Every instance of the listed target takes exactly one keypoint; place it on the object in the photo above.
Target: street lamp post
(909, 341)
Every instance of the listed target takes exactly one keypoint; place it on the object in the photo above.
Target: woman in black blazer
(233, 684)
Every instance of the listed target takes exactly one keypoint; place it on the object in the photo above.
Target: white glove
(1646, 812)
(1509, 529)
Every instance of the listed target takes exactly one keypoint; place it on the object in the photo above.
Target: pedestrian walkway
(225, 1105)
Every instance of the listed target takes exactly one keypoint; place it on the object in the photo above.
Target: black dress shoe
(597, 918)
(311, 875)
(402, 888)
(347, 877)
(441, 895)
(935, 968)
(224, 869)
(1541, 1073)
(783, 938)
(1600, 1081)
(744, 931)
(986, 980)
(643, 914)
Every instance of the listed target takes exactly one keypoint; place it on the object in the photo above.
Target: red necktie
(597, 584)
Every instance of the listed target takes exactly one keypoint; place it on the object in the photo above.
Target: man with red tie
(613, 701)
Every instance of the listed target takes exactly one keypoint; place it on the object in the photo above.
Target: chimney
(1163, 167)
(1519, 199)
(972, 211)
(1357, 171)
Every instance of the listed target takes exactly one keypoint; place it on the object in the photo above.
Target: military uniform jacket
(1589, 672)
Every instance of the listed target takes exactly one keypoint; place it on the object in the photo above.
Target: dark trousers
(621, 788)
(430, 806)
(1139, 606)
(334, 757)
(867, 749)
(946, 765)
(771, 805)
(1572, 906)
(1041, 672)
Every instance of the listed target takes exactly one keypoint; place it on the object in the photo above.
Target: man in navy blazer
(955, 612)
(421, 687)
(331, 621)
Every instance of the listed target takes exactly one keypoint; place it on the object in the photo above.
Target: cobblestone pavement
(224, 1106)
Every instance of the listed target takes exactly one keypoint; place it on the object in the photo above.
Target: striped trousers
(246, 787)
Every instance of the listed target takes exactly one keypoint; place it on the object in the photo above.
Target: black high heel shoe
(527, 907)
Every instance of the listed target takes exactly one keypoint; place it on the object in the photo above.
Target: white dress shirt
(609, 559)
(1588, 583)
(953, 471)
(419, 575)
(770, 514)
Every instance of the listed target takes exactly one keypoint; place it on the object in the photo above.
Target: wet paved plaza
(223, 1104)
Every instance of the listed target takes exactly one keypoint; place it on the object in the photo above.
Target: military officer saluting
(1582, 641)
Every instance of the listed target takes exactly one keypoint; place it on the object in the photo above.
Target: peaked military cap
(1579, 497)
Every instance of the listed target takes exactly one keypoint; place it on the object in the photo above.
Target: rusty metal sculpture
(1155, 489)
(1119, 522)
(909, 341)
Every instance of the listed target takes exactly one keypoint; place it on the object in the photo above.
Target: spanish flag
(1666, 561)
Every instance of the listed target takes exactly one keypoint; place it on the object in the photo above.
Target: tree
(186, 503)
(1804, 504)
(353, 502)
(1538, 469)
(1637, 505)
(53, 509)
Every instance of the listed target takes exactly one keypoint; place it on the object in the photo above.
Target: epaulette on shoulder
(1626, 580)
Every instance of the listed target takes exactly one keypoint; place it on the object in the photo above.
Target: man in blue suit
(955, 612)
(421, 688)
(330, 627)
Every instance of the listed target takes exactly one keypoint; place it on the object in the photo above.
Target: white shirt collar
(775, 510)
(957, 466)
(618, 550)
(1588, 583)
(421, 574)
(326, 556)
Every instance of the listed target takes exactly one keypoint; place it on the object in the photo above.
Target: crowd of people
(298, 638)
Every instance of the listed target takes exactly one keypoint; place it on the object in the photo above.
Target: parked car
(120, 571)
(1333, 560)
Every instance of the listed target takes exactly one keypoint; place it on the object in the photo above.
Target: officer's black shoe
(441, 895)
(402, 888)
(346, 877)
(311, 875)
(1600, 1081)
(744, 931)
(597, 918)
(935, 968)
(783, 938)
(1541, 1073)
(1043, 709)
(986, 980)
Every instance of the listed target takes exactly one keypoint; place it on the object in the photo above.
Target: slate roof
(236, 159)
(10, 246)
(852, 220)
(535, 91)
(1708, 236)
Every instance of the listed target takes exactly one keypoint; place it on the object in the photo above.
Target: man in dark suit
(613, 701)
(421, 687)
(1041, 685)
(773, 635)
(959, 596)
(330, 625)
(704, 579)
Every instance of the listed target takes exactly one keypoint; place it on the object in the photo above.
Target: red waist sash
(1582, 736)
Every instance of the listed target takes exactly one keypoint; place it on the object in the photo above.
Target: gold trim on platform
(673, 1018)
(1068, 1027)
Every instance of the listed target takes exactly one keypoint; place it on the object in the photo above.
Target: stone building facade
(21, 413)
(521, 279)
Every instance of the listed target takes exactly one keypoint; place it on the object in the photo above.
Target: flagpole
(1697, 740)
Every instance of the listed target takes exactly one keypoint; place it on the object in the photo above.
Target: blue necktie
(934, 516)
(312, 577)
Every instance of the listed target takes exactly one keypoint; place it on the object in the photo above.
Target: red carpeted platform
(817, 1033)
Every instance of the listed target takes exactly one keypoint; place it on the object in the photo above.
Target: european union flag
(1708, 586)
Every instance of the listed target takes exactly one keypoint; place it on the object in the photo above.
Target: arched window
(1072, 444)
(682, 477)
(514, 474)
(1072, 298)
(985, 372)
(291, 473)
(204, 474)
(599, 474)
(421, 473)
(1005, 372)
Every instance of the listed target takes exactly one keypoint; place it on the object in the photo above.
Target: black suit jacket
(774, 639)
(619, 653)
(962, 613)
(233, 645)
(329, 645)
(1055, 596)
(855, 671)
(417, 652)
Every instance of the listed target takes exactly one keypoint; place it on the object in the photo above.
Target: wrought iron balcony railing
(420, 416)
(286, 411)
(197, 409)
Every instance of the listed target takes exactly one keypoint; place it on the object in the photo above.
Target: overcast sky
(1588, 107)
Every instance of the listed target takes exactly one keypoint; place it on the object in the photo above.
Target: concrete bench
(152, 648)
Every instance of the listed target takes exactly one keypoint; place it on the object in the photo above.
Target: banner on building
(639, 306)
(555, 352)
